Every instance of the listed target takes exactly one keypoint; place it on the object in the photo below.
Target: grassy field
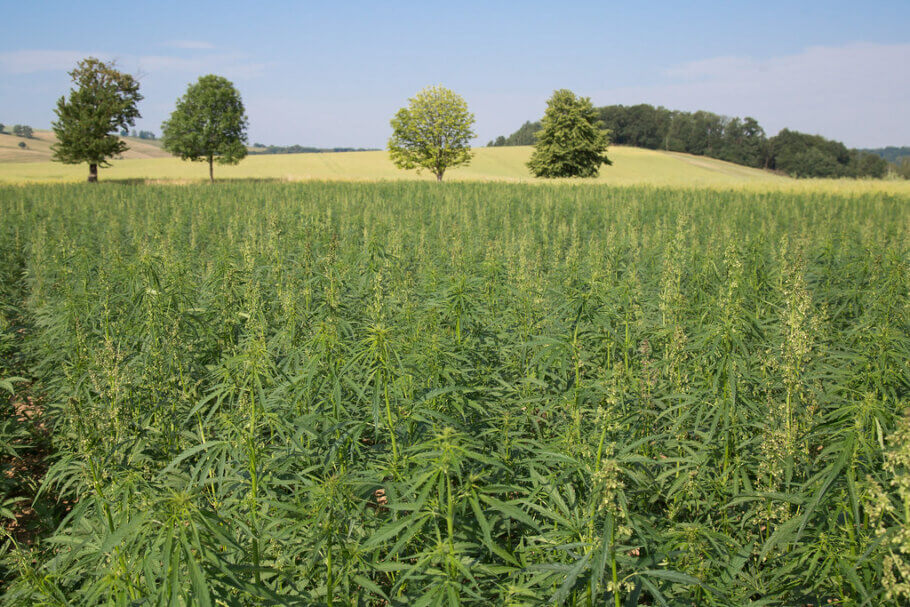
(478, 394)
(38, 150)
(631, 166)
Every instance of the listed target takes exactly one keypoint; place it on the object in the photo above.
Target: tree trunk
(439, 176)
(211, 171)
(93, 173)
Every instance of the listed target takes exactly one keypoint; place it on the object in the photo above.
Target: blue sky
(324, 74)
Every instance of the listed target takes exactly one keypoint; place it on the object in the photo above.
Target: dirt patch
(24, 471)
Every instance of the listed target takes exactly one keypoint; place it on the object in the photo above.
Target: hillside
(38, 148)
(739, 140)
(630, 166)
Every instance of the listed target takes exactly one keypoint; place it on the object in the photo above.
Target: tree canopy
(433, 132)
(890, 153)
(571, 142)
(23, 130)
(739, 140)
(802, 155)
(525, 135)
(208, 124)
(103, 102)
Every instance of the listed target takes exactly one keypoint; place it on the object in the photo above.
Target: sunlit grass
(631, 166)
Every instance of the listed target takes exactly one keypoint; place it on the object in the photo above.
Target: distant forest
(890, 153)
(899, 159)
(739, 140)
(259, 148)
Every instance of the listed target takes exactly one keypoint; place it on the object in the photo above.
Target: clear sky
(332, 74)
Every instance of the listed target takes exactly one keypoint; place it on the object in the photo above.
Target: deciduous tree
(103, 102)
(433, 132)
(23, 130)
(209, 124)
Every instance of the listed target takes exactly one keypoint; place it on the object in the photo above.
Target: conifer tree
(571, 142)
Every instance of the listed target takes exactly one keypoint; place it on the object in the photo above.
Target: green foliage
(433, 132)
(259, 148)
(23, 130)
(657, 128)
(810, 162)
(641, 125)
(400, 394)
(742, 141)
(18, 435)
(103, 101)
(571, 142)
(525, 135)
(864, 164)
(802, 155)
(901, 168)
(209, 124)
(890, 153)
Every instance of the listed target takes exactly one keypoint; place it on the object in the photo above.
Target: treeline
(19, 130)
(891, 153)
(898, 158)
(259, 148)
(739, 140)
(801, 155)
(901, 168)
(140, 134)
(525, 135)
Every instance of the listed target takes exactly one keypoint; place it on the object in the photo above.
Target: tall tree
(571, 142)
(103, 102)
(208, 124)
(433, 132)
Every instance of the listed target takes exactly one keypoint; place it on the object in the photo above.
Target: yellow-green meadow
(631, 166)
